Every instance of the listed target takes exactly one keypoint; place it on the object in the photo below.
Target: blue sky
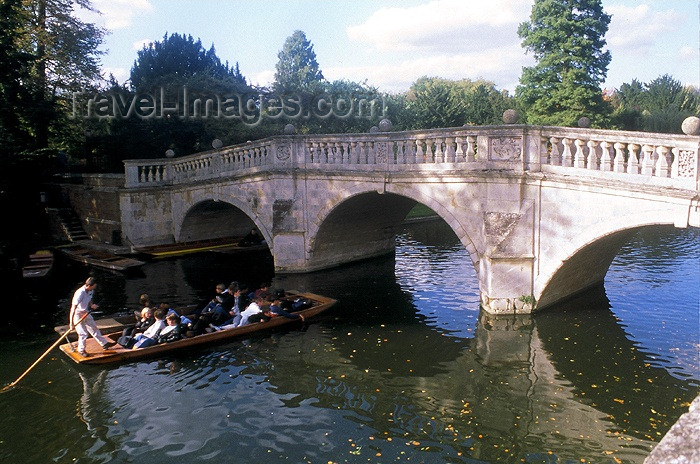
(392, 43)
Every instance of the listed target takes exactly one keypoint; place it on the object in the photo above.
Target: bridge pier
(506, 285)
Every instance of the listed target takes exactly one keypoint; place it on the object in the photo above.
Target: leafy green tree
(659, 106)
(297, 69)
(566, 38)
(65, 57)
(13, 72)
(437, 102)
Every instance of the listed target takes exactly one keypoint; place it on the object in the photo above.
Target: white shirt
(81, 301)
(154, 330)
(252, 309)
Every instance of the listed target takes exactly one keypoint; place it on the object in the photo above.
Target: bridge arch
(207, 218)
(369, 219)
(583, 261)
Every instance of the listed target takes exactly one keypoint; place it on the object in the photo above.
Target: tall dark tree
(179, 57)
(566, 37)
(65, 58)
(297, 69)
(13, 72)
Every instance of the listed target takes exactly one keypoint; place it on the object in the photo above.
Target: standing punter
(82, 304)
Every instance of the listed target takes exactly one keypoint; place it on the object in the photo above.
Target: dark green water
(403, 369)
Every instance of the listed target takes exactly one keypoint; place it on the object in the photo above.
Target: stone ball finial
(373, 130)
(385, 125)
(290, 129)
(510, 116)
(584, 122)
(169, 153)
(691, 125)
(217, 143)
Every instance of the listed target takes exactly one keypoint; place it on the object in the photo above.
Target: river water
(404, 368)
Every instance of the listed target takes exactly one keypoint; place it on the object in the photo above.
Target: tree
(437, 102)
(180, 58)
(297, 69)
(566, 39)
(659, 106)
(65, 57)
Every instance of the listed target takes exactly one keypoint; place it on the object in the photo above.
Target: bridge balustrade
(649, 158)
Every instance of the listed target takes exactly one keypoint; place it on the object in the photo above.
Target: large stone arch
(229, 217)
(582, 261)
(399, 202)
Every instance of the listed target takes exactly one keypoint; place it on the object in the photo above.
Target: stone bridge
(542, 211)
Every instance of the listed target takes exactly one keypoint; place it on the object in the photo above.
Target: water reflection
(403, 368)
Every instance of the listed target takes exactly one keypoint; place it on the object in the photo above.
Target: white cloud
(442, 25)
(120, 74)
(263, 78)
(398, 76)
(453, 39)
(139, 44)
(637, 29)
(119, 14)
(689, 53)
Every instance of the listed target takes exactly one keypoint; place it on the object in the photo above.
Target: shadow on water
(590, 348)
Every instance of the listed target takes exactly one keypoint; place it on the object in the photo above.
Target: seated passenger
(150, 336)
(252, 310)
(276, 309)
(172, 331)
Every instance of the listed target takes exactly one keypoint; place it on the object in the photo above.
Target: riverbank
(681, 445)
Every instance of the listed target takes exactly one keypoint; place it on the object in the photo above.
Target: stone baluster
(344, 148)
(439, 152)
(309, 152)
(605, 160)
(619, 161)
(544, 151)
(471, 148)
(674, 165)
(371, 152)
(410, 150)
(647, 162)
(354, 153)
(429, 156)
(592, 160)
(579, 158)
(566, 154)
(459, 153)
(555, 155)
(400, 153)
(420, 156)
(450, 154)
(633, 159)
(662, 164)
(363, 153)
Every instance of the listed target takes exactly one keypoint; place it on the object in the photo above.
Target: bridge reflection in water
(393, 374)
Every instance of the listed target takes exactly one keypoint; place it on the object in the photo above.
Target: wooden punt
(38, 264)
(100, 258)
(228, 244)
(116, 354)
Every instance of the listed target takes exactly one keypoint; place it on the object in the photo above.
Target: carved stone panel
(686, 163)
(505, 148)
(283, 152)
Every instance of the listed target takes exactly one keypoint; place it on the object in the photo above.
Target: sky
(390, 44)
